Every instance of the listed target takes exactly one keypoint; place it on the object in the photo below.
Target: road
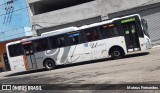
(141, 68)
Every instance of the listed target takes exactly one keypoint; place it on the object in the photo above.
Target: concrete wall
(66, 15)
(2, 50)
(84, 11)
(106, 7)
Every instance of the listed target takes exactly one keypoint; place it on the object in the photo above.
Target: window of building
(91, 34)
(15, 50)
(108, 31)
(74, 38)
(41, 45)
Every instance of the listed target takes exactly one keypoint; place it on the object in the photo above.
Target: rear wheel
(117, 54)
(49, 64)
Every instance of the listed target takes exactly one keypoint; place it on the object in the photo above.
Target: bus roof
(106, 22)
(12, 43)
(59, 30)
(70, 29)
(48, 34)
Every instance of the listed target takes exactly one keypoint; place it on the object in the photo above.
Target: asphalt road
(141, 68)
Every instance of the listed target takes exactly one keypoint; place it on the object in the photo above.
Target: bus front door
(30, 57)
(131, 37)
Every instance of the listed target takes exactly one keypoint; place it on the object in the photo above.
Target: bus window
(74, 38)
(57, 41)
(15, 50)
(91, 34)
(53, 43)
(61, 41)
(41, 45)
(108, 31)
(28, 49)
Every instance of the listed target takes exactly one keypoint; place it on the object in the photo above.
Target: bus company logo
(20, 87)
(6, 87)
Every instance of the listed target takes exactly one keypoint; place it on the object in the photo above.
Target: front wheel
(117, 54)
(49, 64)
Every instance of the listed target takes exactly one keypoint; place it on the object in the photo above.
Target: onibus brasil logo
(20, 87)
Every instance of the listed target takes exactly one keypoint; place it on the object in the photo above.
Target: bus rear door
(30, 57)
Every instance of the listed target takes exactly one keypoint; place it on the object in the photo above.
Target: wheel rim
(117, 53)
(49, 65)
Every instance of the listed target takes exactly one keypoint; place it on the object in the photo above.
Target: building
(14, 25)
(48, 15)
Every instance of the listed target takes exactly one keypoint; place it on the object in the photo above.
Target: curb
(156, 46)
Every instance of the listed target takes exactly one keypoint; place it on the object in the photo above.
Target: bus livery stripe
(25, 62)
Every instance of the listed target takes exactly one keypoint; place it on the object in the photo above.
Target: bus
(15, 56)
(113, 38)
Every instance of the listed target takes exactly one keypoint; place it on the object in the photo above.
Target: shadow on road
(25, 72)
(136, 55)
(77, 64)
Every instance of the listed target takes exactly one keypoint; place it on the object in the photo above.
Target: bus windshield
(145, 27)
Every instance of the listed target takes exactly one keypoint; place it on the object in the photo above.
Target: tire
(49, 64)
(117, 54)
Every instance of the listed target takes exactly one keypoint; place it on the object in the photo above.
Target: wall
(66, 15)
(2, 50)
(14, 19)
(110, 6)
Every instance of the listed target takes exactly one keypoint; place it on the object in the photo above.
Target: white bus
(16, 56)
(112, 38)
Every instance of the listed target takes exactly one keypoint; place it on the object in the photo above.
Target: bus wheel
(49, 64)
(117, 54)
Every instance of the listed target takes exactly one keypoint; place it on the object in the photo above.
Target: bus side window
(108, 31)
(60, 41)
(114, 31)
(91, 34)
(15, 50)
(52, 41)
(74, 38)
(41, 45)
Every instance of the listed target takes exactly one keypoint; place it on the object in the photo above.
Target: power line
(11, 7)
(7, 1)
(15, 11)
